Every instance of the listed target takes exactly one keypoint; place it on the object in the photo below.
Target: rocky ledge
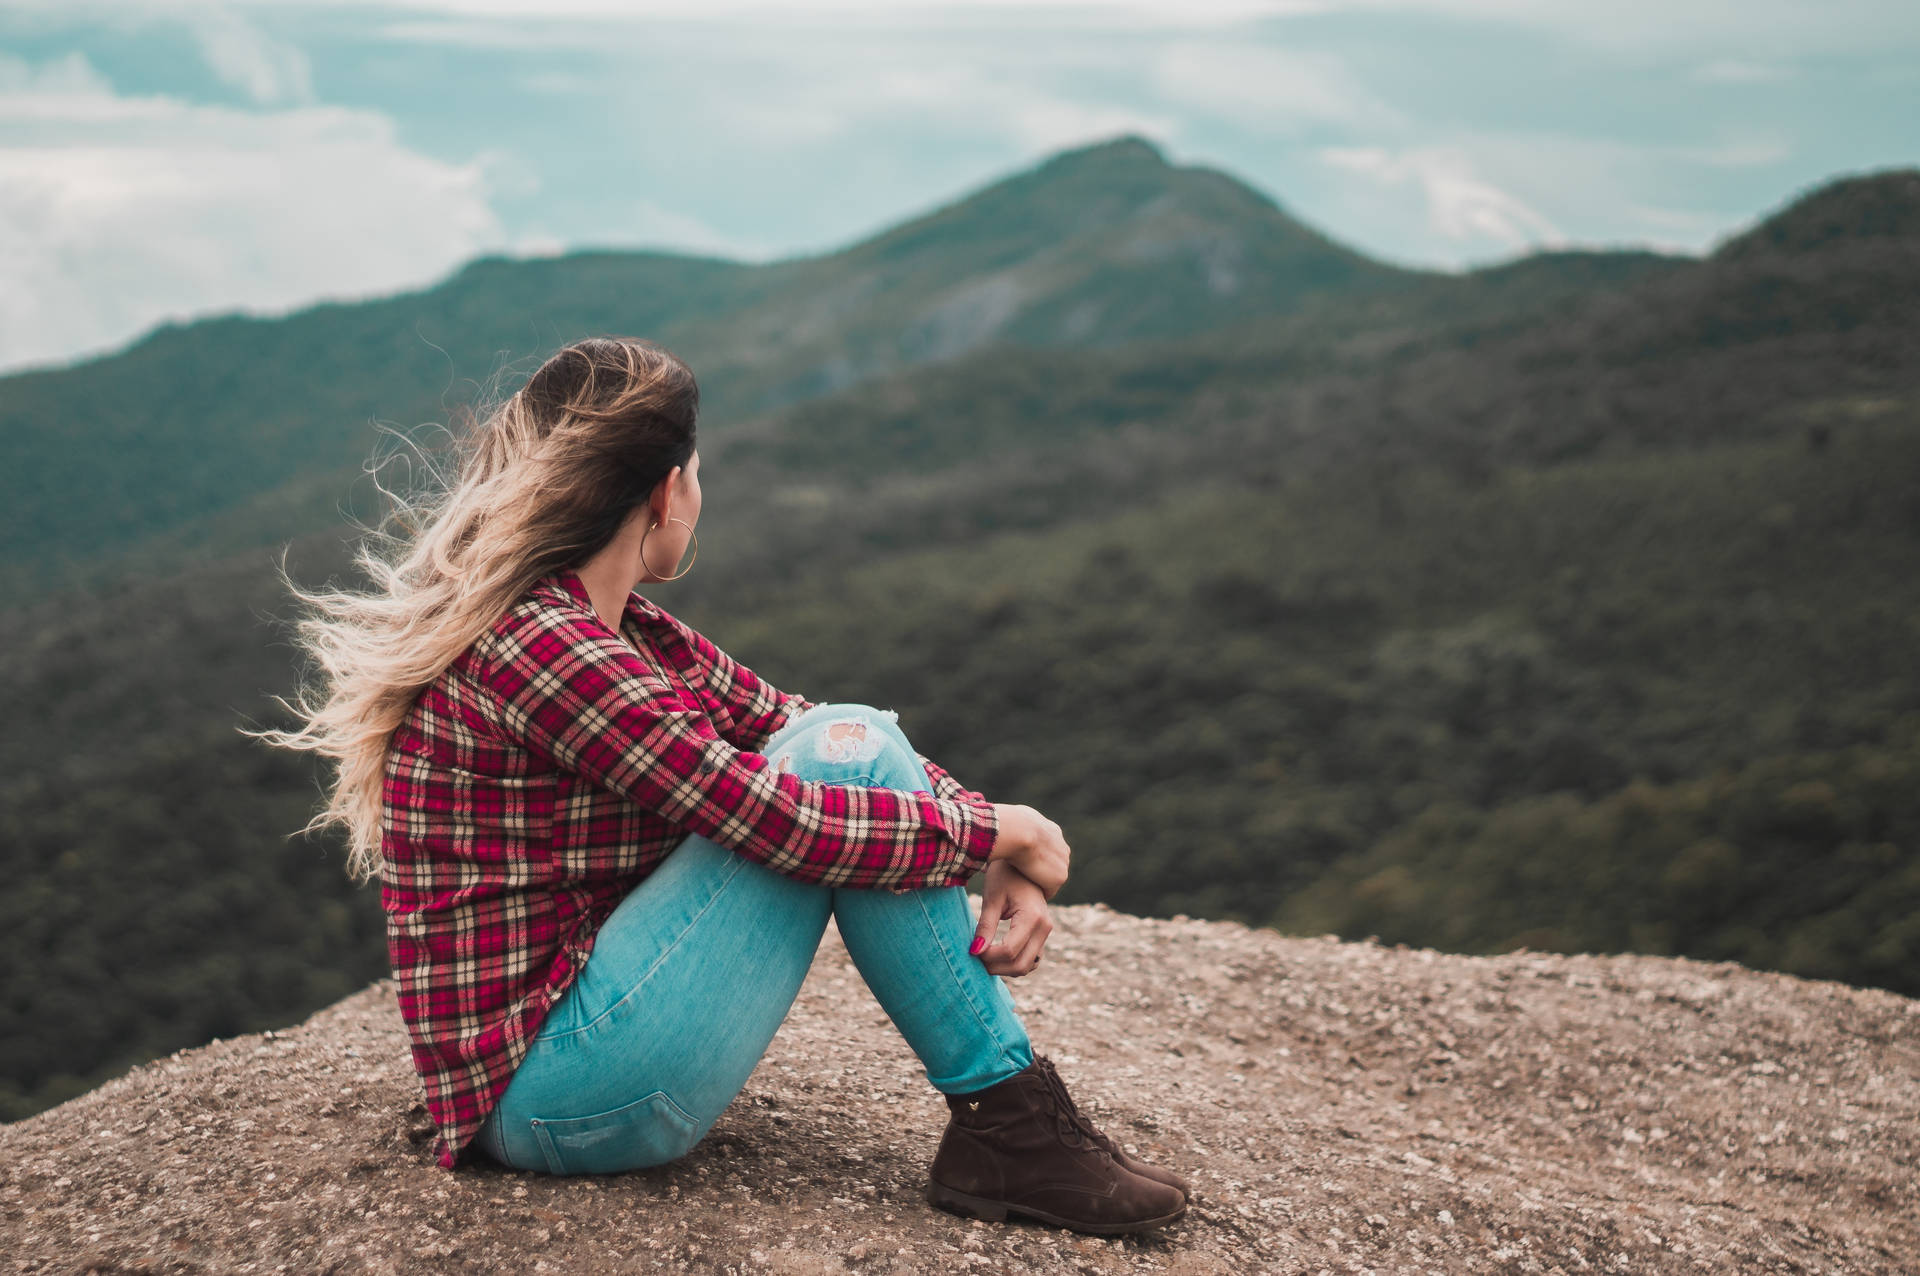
(1339, 1107)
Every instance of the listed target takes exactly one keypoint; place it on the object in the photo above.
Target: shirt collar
(638, 609)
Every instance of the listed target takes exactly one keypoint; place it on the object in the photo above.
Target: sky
(162, 160)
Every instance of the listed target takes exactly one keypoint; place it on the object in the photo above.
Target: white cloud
(835, 90)
(118, 212)
(1756, 153)
(1034, 119)
(1043, 122)
(1479, 192)
(651, 226)
(1734, 71)
(476, 16)
(1268, 89)
(1674, 230)
(1460, 205)
(235, 48)
(1769, 29)
(808, 77)
(1684, 219)
(1766, 30)
(539, 244)
(572, 84)
(241, 54)
(71, 76)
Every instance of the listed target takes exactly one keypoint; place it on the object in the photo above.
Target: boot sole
(967, 1206)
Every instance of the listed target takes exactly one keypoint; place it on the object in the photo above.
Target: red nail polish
(977, 946)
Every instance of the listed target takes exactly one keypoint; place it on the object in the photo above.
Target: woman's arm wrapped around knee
(578, 698)
(1033, 844)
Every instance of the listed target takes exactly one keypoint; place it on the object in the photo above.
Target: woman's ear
(660, 502)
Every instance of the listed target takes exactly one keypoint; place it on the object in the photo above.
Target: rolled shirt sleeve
(577, 697)
(758, 708)
(944, 785)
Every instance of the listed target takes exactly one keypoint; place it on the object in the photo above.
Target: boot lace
(1073, 1124)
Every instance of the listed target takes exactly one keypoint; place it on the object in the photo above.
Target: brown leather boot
(1114, 1150)
(1021, 1147)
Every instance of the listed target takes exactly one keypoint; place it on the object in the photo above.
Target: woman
(608, 852)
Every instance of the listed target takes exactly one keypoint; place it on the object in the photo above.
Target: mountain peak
(1128, 148)
(1882, 205)
(1122, 202)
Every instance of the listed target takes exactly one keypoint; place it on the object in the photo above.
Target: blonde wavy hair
(540, 483)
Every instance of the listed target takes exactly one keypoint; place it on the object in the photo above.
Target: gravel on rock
(1338, 1107)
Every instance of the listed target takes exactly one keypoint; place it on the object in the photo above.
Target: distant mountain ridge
(1096, 248)
(1871, 206)
(1100, 245)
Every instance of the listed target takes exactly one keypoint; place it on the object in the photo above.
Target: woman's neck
(611, 575)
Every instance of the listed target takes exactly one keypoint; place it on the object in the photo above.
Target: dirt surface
(1338, 1107)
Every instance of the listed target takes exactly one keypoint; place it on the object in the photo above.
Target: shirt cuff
(980, 828)
(975, 848)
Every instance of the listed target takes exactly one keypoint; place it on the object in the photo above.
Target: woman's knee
(870, 715)
(845, 735)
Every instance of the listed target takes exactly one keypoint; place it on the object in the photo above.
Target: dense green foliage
(1240, 698)
(1569, 604)
(1800, 862)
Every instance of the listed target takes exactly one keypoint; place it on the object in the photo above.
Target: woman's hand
(1033, 844)
(1010, 895)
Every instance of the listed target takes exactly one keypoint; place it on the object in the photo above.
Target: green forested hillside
(1096, 246)
(1569, 604)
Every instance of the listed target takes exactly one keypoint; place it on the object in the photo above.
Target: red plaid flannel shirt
(548, 770)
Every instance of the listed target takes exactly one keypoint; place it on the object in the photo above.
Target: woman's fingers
(1014, 950)
(1016, 899)
(1021, 951)
(993, 906)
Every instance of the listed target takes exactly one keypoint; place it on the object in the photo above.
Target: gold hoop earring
(693, 540)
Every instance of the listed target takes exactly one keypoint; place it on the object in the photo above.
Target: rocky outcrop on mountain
(1338, 1107)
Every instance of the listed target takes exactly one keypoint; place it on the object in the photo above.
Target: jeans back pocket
(649, 1131)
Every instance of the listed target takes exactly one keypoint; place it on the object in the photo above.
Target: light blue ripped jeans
(692, 973)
